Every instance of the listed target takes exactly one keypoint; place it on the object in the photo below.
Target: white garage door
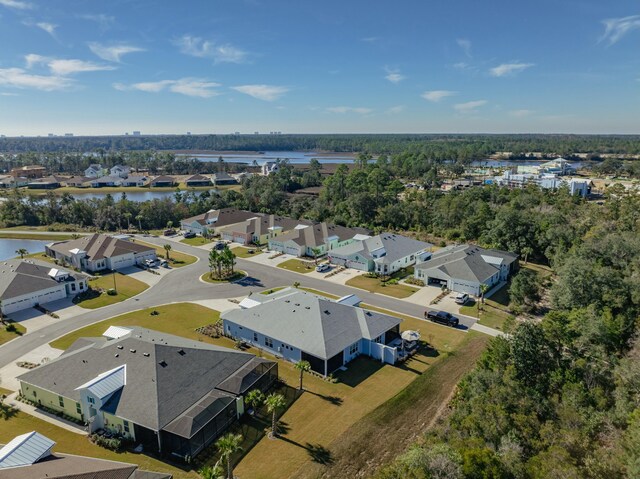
(18, 304)
(120, 262)
(292, 250)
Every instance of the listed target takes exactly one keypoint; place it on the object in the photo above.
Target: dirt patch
(360, 451)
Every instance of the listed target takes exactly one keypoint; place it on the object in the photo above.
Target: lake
(294, 157)
(131, 195)
(8, 247)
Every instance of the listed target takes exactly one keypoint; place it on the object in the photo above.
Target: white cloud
(465, 44)
(50, 28)
(369, 39)
(349, 109)
(520, 113)
(436, 95)
(101, 19)
(262, 92)
(616, 28)
(113, 53)
(396, 109)
(220, 53)
(19, 78)
(194, 87)
(394, 76)
(17, 4)
(509, 69)
(63, 67)
(470, 106)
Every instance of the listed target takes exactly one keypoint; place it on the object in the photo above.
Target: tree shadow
(317, 452)
(334, 400)
(7, 411)
(249, 281)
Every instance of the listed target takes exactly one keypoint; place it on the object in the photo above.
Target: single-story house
(94, 171)
(48, 183)
(135, 180)
(25, 283)
(319, 238)
(121, 171)
(106, 181)
(171, 394)
(7, 181)
(79, 181)
(162, 181)
(223, 178)
(260, 229)
(297, 325)
(463, 268)
(30, 456)
(98, 252)
(213, 220)
(198, 180)
(385, 253)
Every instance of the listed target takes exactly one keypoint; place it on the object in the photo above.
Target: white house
(214, 220)
(28, 283)
(384, 254)
(315, 239)
(269, 167)
(100, 252)
(464, 268)
(94, 171)
(120, 170)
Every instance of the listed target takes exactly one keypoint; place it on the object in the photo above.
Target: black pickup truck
(442, 317)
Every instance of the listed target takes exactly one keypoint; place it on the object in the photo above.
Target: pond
(131, 195)
(8, 247)
(294, 157)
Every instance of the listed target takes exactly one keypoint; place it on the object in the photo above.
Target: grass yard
(495, 310)
(41, 257)
(236, 276)
(33, 236)
(196, 241)
(178, 259)
(6, 336)
(126, 287)
(242, 252)
(296, 266)
(180, 319)
(72, 443)
(273, 290)
(374, 285)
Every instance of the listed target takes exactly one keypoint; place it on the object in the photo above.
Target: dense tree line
(457, 145)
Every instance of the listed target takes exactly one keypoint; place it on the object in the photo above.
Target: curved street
(183, 285)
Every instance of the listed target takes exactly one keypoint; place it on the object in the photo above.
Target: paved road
(182, 284)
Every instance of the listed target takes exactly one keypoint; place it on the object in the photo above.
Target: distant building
(269, 167)
(162, 181)
(136, 133)
(306, 240)
(223, 178)
(94, 171)
(120, 170)
(31, 172)
(48, 183)
(213, 220)
(68, 134)
(559, 166)
(27, 283)
(197, 180)
(7, 181)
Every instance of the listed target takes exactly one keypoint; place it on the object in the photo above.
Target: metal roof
(115, 332)
(25, 450)
(107, 383)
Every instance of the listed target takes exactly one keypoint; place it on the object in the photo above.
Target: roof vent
(297, 304)
(181, 352)
(307, 307)
(132, 350)
(119, 346)
(163, 364)
(117, 355)
(326, 311)
(146, 355)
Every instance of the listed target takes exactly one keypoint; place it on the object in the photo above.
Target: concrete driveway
(33, 320)
(11, 371)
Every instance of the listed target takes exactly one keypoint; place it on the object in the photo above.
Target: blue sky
(108, 67)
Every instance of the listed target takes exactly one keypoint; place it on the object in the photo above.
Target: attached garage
(11, 305)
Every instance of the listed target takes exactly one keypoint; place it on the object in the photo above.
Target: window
(126, 426)
(268, 342)
(255, 337)
(378, 339)
(354, 348)
(81, 286)
(78, 408)
(34, 394)
(73, 287)
(61, 401)
(91, 400)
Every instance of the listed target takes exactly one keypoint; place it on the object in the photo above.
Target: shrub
(11, 328)
(111, 292)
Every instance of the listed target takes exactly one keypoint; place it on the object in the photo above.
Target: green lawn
(494, 312)
(242, 252)
(72, 443)
(196, 241)
(41, 257)
(180, 319)
(6, 336)
(296, 265)
(125, 286)
(177, 260)
(237, 275)
(32, 236)
(374, 285)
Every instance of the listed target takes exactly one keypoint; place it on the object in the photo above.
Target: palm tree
(483, 290)
(128, 216)
(169, 225)
(139, 220)
(215, 262)
(229, 445)
(22, 252)
(167, 248)
(211, 472)
(316, 252)
(274, 403)
(526, 251)
(303, 367)
(254, 398)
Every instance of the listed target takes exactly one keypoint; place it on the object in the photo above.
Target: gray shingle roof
(318, 326)
(225, 216)
(466, 262)
(166, 374)
(316, 234)
(395, 246)
(18, 277)
(99, 246)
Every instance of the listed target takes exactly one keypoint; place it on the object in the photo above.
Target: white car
(462, 298)
(321, 268)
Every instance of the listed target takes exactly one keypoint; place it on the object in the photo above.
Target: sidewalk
(486, 330)
(44, 416)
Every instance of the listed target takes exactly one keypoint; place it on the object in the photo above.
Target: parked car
(220, 245)
(462, 298)
(189, 234)
(169, 232)
(443, 317)
(164, 263)
(150, 263)
(321, 268)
